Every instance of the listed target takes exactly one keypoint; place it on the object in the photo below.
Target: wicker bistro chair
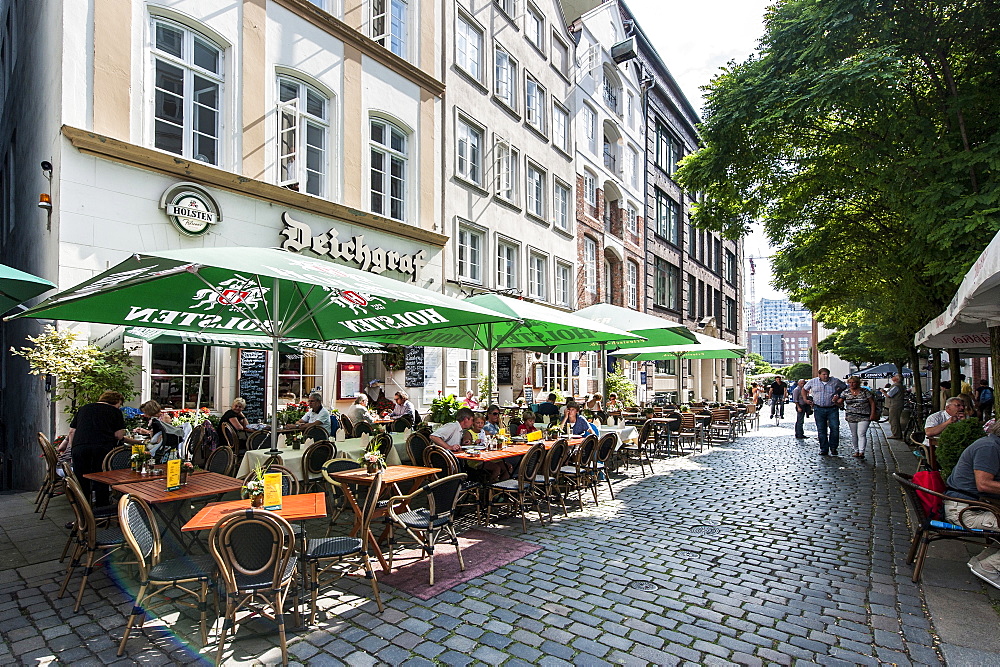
(426, 526)
(338, 500)
(230, 437)
(519, 494)
(689, 433)
(315, 432)
(156, 576)
(579, 473)
(195, 446)
(255, 553)
(221, 461)
(416, 443)
(53, 484)
(384, 443)
(259, 440)
(400, 424)
(313, 460)
(89, 540)
(926, 451)
(547, 480)
(925, 532)
(639, 451)
(361, 428)
(603, 454)
(347, 426)
(118, 458)
(436, 456)
(322, 556)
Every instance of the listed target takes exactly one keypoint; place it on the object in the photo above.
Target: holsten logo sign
(190, 208)
(298, 237)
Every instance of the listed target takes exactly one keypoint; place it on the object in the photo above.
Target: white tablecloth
(624, 433)
(292, 458)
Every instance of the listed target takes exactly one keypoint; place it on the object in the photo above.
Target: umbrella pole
(489, 366)
(204, 353)
(604, 374)
(274, 369)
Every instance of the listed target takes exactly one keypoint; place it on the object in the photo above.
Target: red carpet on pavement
(482, 551)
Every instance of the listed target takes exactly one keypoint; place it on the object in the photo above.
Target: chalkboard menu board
(253, 384)
(414, 366)
(504, 361)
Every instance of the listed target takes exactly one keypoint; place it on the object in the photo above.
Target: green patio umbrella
(16, 287)
(655, 330)
(706, 348)
(292, 346)
(256, 291)
(530, 326)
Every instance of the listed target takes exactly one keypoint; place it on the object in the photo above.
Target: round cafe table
(351, 448)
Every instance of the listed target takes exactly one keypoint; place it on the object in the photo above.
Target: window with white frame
(535, 196)
(322, 4)
(388, 149)
(629, 101)
(612, 93)
(534, 27)
(560, 128)
(564, 284)
(187, 99)
(506, 265)
(632, 284)
(560, 205)
(389, 24)
(469, 47)
(534, 103)
(589, 187)
(505, 77)
(469, 152)
(590, 127)
(508, 6)
(590, 264)
(632, 218)
(633, 167)
(181, 374)
(470, 254)
(300, 373)
(560, 56)
(507, 160)
(302, 137)
(537, 280)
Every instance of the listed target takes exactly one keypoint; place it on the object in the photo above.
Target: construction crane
(752, 310)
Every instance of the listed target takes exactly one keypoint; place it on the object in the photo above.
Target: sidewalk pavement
(751, 553)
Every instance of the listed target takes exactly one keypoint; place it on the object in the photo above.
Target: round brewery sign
(190, 208)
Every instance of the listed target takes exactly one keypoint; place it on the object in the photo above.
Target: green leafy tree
(799, 371)
(618, 383)
(862, 135)
(756, 364)
(83, 372)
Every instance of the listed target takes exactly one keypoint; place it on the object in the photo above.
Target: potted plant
(140, 462)
(372, 459)
(254, 487)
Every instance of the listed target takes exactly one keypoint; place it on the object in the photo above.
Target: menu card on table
(272, 491)
(173, 474)
(534, 436)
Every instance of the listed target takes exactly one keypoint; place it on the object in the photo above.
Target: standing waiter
(96, 429)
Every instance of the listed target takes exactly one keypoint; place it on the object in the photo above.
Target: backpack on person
(985, 395)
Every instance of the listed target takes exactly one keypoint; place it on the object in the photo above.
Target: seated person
(594, 403)
(527, 424)
(475, 433)
(317, 414)
(403, 407)
(492, 424)
(614, 405)
(235, 418)
(470, 401)
(954, 411)
(452, 436)
(575, 423)
(549, 407)
(165, 437)
(976, 476)
(358, 412)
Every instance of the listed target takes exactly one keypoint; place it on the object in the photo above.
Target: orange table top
(518, 449)
(154, 491)
(293, 508)
(390, 475)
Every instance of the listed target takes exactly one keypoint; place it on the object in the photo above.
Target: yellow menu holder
(272, 491)
(533, 436)
(139, 449)
(173, 474)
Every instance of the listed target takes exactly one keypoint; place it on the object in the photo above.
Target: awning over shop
(882, 371)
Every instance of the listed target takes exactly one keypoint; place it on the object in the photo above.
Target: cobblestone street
(758, 552)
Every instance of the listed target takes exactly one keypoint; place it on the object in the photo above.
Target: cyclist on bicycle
(779, 394)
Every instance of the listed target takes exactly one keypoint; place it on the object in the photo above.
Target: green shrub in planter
(953, 441)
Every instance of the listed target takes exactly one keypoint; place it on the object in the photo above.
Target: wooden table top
(154, 491)
(293, 508)
(518, 449)
(390, 475)
(125, 475)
